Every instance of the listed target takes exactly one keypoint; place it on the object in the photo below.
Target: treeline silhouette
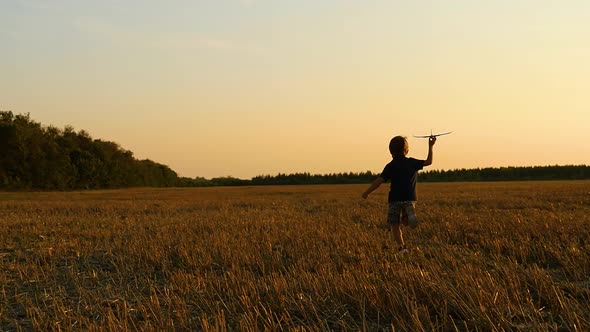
(282, 179)
(33, 156)
(570, 172)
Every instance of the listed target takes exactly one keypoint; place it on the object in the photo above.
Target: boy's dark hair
(398, 146)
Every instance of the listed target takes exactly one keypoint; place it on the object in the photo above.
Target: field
(487, 257)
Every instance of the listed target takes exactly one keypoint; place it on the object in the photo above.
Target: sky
(250, 87)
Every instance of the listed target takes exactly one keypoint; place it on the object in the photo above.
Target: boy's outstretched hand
(431, 140)
(378, 181)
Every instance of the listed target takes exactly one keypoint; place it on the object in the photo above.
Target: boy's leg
(404, 218)
(397, 235)
(410, 211)
(393, 219)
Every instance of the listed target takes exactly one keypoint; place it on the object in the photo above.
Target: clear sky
(249, 87)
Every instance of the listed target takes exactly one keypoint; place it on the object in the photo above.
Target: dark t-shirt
(402, 172)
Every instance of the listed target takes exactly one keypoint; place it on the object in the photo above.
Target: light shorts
(402, 211)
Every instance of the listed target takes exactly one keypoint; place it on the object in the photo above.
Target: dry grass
(489, 256)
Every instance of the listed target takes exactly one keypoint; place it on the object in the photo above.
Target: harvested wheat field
(487, 257)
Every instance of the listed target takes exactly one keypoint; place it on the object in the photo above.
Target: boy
(402, 172)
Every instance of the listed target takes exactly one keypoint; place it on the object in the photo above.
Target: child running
(402, 171)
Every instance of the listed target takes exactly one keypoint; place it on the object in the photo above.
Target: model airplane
(433, 135)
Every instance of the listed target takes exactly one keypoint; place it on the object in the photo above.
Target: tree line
(282, 179)
(33, 156)
(567, 172)
(570, 172)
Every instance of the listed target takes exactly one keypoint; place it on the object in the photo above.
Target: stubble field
(488, 256)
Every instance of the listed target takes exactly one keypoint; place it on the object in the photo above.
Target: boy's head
(398, 146)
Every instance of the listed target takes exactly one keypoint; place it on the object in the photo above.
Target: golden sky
(243, 88)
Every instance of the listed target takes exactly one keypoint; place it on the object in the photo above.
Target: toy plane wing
(433, 135)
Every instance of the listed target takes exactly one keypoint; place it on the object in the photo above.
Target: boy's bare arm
(378, 181)
(431, 142)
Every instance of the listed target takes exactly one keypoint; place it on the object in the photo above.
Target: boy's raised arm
(378, 181)
(431, 142)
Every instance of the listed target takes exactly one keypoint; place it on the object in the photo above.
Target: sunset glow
(243, 88)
